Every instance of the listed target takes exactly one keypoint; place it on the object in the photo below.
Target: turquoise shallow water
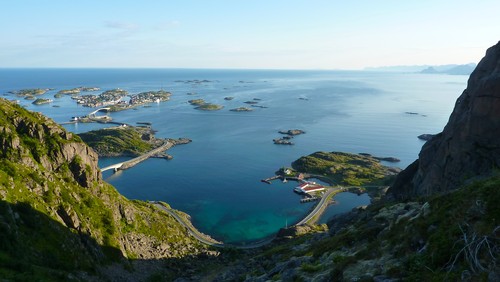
(216, 178)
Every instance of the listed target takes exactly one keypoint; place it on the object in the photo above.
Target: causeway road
(130, 163)
(134, 161)
(320, 206)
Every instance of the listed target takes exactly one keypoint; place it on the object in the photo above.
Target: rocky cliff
(60, 221)
(469, 146)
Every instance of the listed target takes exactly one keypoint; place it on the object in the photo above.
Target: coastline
(252, 132)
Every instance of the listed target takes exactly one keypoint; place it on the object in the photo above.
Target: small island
(282, 141)
(292, 132)
(41, 101)
(129, 141)
(285, 140)
(346, 169)
(242, 109)
(29, 92)
(77, 90)
(120, 141)
(204, 106)
(197, 102)
(209, 107)
(228, 98)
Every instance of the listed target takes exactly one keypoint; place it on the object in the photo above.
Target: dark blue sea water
(216, 178)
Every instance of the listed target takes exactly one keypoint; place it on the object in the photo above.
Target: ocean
(216, 178)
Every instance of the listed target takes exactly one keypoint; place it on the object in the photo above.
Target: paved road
(319, 206)
(143, 157)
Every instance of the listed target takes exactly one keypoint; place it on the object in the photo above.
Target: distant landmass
(453, 69)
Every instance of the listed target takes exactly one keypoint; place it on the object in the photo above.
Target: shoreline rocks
(385, 159)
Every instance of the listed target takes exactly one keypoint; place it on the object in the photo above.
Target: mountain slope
(58, 219)
(440, 221)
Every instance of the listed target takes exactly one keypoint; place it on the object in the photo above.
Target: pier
(309, 199)
(268, 180)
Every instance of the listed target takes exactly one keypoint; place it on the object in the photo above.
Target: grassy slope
(116, 141)
(342, 168)
(428, 248)
(51, 226)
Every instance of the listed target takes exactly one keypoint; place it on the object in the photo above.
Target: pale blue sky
(275, 34)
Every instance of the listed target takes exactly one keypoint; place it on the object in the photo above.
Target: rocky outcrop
(469, 146)
(35, 140)
(57, 213)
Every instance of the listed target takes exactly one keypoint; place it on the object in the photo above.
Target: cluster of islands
(115, 99)
(289, 134)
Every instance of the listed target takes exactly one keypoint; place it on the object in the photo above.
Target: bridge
(130, 163)
(98, 110)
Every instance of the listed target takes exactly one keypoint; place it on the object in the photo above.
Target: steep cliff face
(39, 143)
(469, 146)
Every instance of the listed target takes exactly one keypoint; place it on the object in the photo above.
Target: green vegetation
(209, 107)
(58, 220)
(69, 91)
(77, 90)
(29, 92)
(197, 102)
(118, 141)
(441, 238)
(343, 168)
(41, 101)
(204, 106)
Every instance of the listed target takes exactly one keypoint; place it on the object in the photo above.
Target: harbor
(309, 190)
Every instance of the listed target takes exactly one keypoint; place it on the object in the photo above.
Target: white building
(309, 187)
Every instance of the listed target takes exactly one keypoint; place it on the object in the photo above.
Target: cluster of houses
(149, 97)
(114, 98)
(107, 98)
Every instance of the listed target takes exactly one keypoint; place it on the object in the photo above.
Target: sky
(244, 34)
